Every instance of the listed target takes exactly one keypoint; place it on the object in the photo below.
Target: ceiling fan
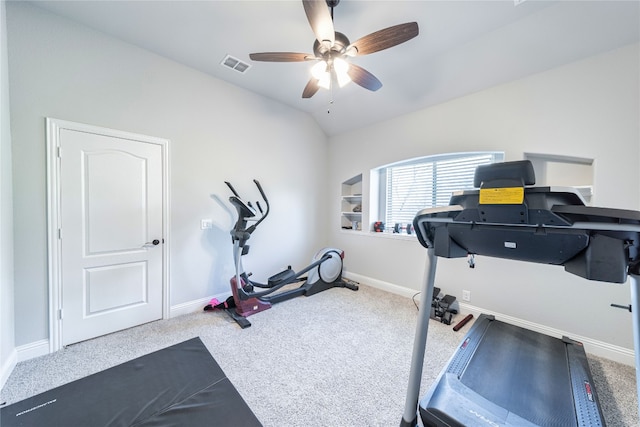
(332, 48)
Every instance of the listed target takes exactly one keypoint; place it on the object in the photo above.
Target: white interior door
(111, 233)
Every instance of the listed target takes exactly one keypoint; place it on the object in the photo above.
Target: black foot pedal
(350, 284)
(240, 320)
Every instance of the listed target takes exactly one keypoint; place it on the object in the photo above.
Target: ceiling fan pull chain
(330, 96)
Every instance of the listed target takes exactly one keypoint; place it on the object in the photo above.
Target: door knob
(154, 242)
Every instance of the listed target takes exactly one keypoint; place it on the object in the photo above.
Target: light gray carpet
(339, 358)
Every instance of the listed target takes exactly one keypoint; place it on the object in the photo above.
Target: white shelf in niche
(351, 204)
(355, 198)
(564, 171)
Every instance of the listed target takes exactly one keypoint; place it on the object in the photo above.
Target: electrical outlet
(466, 295)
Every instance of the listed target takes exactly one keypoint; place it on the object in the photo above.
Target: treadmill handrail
(576, 225)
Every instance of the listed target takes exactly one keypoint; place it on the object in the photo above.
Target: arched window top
(408, 186)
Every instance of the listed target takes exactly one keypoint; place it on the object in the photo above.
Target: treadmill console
(507, 218)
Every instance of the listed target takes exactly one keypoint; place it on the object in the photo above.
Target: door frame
(53, 128)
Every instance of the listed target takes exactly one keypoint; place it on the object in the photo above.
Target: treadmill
(501, 374)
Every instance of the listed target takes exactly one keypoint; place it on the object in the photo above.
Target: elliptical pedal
(284, 276)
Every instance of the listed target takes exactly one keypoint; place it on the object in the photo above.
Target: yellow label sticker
(502, 196)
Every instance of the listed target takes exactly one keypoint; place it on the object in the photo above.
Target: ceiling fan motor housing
(339, 47)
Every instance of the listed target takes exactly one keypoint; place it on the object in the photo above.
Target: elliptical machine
(325, 270)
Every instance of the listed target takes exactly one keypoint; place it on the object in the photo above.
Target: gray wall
(7, 344)
(586, 109)
(218, 132)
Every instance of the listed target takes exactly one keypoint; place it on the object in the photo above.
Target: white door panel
(115, 287)
(128, 184)
(111, 198)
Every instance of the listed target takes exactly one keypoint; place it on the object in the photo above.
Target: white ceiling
(463, 46)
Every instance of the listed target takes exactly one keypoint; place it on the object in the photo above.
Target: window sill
(395, 236)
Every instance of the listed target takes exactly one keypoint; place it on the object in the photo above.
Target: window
(409, 186)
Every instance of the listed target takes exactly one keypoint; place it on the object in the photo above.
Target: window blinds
(428, 183)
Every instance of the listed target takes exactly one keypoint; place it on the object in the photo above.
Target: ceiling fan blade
(311, 88)
(281, 57)
(320, 19)
(383, 39)
(364, 78)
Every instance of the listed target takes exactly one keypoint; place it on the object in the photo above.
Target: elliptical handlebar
(233, 190)
(266, 202)
(241, 223)
(264, 197)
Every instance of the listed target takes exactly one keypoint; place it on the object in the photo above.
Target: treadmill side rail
(584, 393)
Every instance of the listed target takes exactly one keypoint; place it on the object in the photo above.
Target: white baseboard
(7, 367)
(31, 350)
(379, 284)
(41, 347)
(20, 354)
(591, 346)
(194, 306)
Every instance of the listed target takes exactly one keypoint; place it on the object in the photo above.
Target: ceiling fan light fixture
(343, 79)
(331, 47)
(319, 70)
(325, 81)
(341, 67)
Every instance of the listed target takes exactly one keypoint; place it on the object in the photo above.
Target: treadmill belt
(524, 372)
(181, 385)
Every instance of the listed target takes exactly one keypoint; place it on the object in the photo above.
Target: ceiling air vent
(235, 64)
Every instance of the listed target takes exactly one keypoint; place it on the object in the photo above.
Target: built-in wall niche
(351, 204)
(563, 171)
